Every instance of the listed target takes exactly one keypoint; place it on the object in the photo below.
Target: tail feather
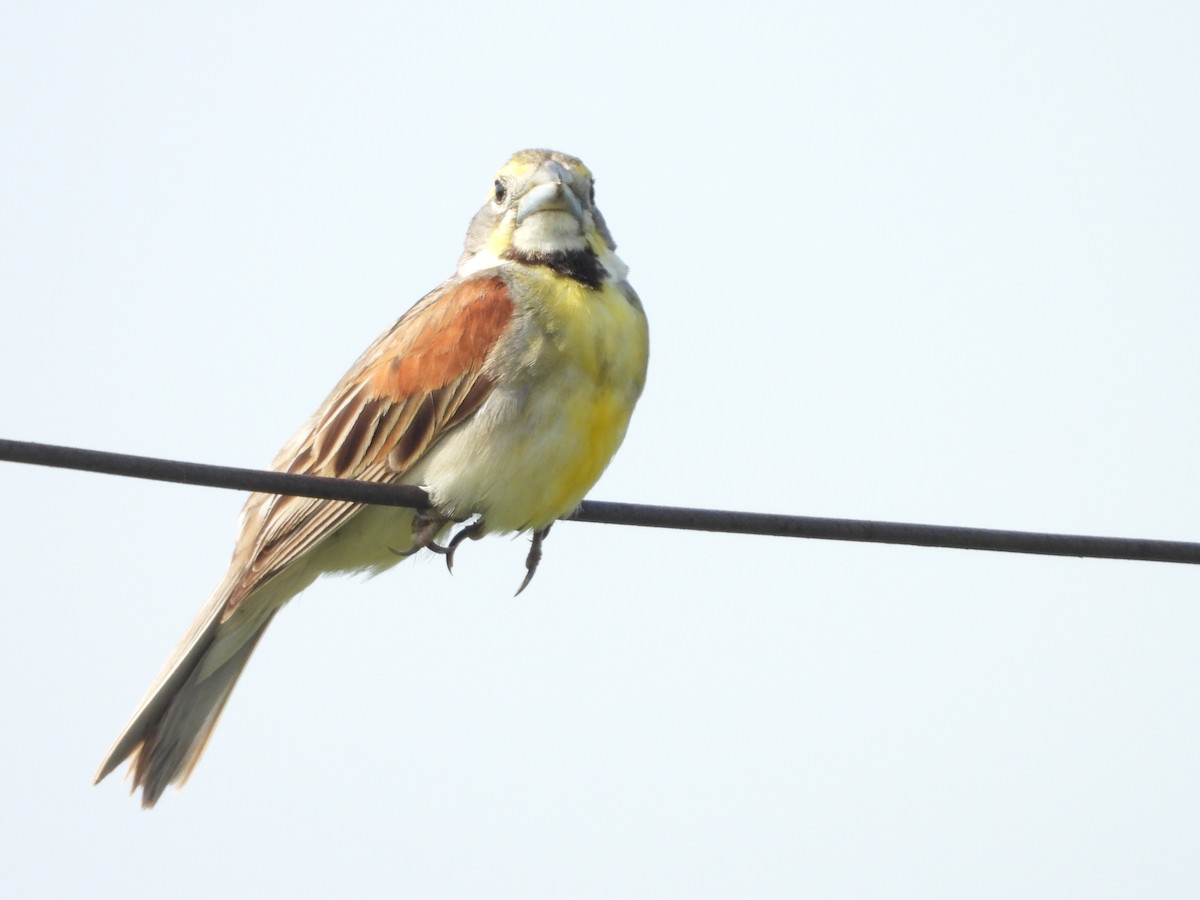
(167, 734)
(179, 667)
(171, 744)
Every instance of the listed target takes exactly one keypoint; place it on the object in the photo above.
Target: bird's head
(541, 210)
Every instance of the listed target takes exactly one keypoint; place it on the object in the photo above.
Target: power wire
(597, 511)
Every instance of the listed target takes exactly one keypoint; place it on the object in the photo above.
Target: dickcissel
(504, 393)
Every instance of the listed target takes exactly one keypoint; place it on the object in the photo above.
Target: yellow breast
(595, 357)
(598, 330)
(568, 377)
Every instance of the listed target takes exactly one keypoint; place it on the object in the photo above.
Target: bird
(504, 393)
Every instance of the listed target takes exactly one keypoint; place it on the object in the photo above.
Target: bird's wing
(421, 378)
(425, 375)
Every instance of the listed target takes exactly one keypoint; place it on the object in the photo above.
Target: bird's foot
(474, 531)
(426, 526)
(534, 557)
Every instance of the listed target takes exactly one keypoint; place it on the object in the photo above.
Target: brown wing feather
(421, 378)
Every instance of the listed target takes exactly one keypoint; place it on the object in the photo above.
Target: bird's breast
(567, 380)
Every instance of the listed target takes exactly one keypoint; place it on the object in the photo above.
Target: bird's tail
(167, 734)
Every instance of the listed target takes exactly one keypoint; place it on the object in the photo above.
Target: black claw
(534, 557)
(425, 528)
(474, 531)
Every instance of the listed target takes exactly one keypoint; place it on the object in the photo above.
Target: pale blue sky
(929, 263)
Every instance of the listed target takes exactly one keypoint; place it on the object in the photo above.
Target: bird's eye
(500, 191)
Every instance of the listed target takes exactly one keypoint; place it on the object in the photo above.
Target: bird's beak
(549, 193)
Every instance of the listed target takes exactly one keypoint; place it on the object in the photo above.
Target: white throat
(547, 232)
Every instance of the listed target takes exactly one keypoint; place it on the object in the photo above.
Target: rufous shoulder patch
(460, 329)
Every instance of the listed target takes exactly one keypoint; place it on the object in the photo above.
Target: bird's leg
(474, 531)
(534, 557)
(426, 526)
